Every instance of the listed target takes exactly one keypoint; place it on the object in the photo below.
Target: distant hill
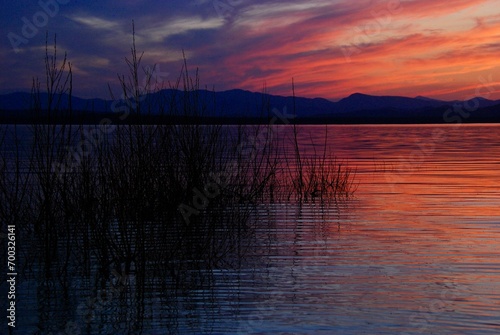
(358, 102)
(22, 101)
(242, 106)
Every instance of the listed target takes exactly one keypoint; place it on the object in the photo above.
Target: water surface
(415, 251)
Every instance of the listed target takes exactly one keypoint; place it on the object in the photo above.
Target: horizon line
(15, 91)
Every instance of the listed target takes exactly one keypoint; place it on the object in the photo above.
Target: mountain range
(239, 106)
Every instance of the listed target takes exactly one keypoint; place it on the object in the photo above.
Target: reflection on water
(415, 252)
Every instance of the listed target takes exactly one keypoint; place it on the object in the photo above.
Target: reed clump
(320, 176)
(156, 201)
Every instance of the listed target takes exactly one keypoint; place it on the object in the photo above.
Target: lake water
(415, 251)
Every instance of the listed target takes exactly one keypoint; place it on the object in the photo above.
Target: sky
(443, 49)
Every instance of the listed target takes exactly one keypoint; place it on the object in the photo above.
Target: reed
(320, 176)
(115, 208)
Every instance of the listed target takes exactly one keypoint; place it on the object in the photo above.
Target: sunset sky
(435, 48)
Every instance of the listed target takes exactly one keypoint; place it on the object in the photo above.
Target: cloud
(414, 47)
(96, 23)
(179, 26)
(401, 53)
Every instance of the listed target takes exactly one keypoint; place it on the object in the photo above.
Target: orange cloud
(401, 56)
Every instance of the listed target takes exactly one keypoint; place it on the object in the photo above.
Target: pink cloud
(399, 58)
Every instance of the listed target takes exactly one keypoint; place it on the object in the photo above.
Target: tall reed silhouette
(112, 207)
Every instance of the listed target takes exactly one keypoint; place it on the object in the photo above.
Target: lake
(416, 250)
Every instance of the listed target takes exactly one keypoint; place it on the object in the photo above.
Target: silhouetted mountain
(358, 102)
(23, 101)
(242, 105)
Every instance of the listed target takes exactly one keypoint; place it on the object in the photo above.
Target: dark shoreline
(174, 120)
